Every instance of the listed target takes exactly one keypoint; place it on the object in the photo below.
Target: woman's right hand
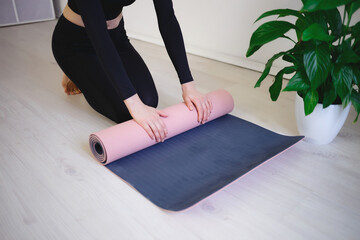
(147, 117)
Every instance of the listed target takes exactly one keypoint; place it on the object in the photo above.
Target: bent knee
(151, 99)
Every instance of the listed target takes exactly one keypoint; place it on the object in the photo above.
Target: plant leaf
(317, 64)
(356, 71)
(286, 37)
(289, 58)
(275, 88)
(315, 5)
(268, 32)
(281, 13)
(342, 78)
(333, 17)
(348, 56)
(268, 67)
(301, 25)
(310, 101)
(329, 94)
(297, 83)
(356, 47)
(317, 17)
(316, 32)
(355, 30)
(355, 100)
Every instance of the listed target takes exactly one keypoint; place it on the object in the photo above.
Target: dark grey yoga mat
(189, 167)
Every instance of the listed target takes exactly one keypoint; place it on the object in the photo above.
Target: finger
(199, 111)
(160, 129)
(155, 131)
(209, 108)
(205, 112)
(162, 113)
(163, 127)
(211, 105)
(149, 131)
(189, 105)
(162, 124)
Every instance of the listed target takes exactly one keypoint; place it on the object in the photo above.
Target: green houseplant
(325, 59)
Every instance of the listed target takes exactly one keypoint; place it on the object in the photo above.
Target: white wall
(215, 29)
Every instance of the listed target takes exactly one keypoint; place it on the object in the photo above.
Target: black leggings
(76, 57)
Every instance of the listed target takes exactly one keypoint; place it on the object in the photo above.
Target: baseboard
(196, 50)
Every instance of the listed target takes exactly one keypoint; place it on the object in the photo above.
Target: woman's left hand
(193, 97)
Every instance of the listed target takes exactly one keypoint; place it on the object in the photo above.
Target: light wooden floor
(51, 187)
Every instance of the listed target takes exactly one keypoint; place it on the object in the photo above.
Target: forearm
(173, 39)
(174, 44)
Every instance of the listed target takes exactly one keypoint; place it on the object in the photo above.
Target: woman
(90, 45)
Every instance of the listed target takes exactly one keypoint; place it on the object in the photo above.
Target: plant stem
(343, 21)
(347, 27)
(289, 39)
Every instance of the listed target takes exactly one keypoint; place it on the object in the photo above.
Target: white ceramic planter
(323, 124)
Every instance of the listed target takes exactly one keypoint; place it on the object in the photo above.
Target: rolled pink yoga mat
(129, 137)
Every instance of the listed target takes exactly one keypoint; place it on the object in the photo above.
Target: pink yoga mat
(129, 137)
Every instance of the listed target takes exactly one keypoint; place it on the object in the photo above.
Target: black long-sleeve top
(94, 14)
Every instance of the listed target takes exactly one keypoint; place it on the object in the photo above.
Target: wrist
(133, 101)
(187, 86)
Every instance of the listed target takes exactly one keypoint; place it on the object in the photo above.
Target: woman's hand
(147, 117)
(193, 97)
